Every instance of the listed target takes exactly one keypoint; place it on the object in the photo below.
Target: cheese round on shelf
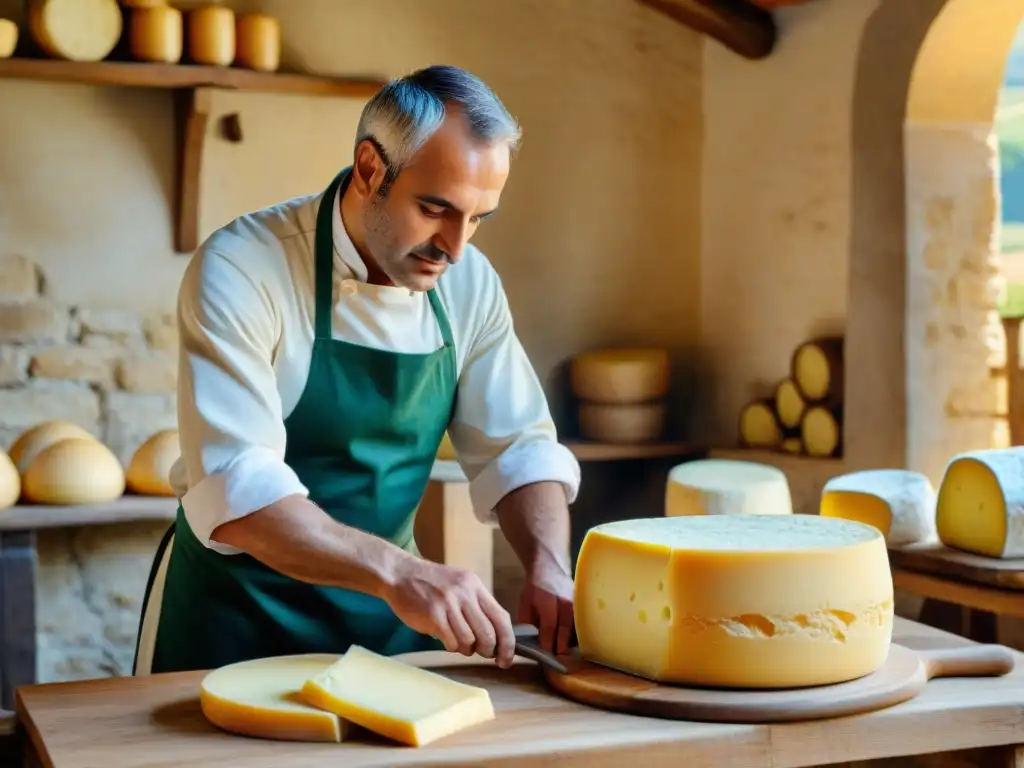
(735, 601)
(620, 376)
(622, 424)
(34, 441)
(980, 506)
(900, 503)
(260, 698)
(157, 34)
(150, 468)
(74, 471)
(75, 30)
(258, 42)
(211, 35)
(727, 487)
(10, 482)
(8, 38)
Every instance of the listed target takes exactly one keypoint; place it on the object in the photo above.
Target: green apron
(362, 439)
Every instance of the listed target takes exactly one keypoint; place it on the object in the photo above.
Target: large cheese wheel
(211, 35)
(260, 698)
(396, 700)
(74, 471)
(898, 502)
(736, 601)
(258, 42)
(727, 487)
(10, 482)
(34, 441)
(76, 30)
(625, 424)
(980, 506)
(157, 34)
(8, 38)
(150, 467)
(621, 376)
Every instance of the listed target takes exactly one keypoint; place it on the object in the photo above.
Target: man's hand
(453, 605)
(547, 604)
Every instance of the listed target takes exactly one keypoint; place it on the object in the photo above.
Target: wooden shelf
(192, 86)
(739, 25)
(127, 509)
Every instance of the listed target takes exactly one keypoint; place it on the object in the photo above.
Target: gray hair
(406, 112)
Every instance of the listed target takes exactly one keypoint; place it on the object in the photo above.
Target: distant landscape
(1010, 131)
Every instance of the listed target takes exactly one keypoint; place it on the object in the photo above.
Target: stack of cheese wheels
(149, 470)
(735, 601)
(622, 394)
(980, 507)
(727, 487)
(76, 30)
(61, 463)
(900, 503)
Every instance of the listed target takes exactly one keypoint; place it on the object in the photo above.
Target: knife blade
(528, 647)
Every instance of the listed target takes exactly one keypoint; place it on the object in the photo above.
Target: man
(327, 343)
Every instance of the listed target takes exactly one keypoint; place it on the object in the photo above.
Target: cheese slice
(898, 502)
(727, 487)
(980, 505)
(396, 700)
(261, 698)
(620, 376)
(735, 601)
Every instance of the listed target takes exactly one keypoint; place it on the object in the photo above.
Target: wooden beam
(740, 26)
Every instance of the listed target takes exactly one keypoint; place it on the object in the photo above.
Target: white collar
(345, 252)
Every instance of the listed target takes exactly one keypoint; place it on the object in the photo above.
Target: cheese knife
(528, 647)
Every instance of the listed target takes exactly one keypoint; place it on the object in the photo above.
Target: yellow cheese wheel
(10, 482)
(259, 698)
(626, 424)
(76, 30)
(258, 42)
(735, 601)
(446, 451)
(8, 38)
(34, 441)
(150, 468)
(74, 471)
(621, 376)
(156, 34)
(211, 35)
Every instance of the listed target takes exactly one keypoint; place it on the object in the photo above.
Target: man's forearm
(297, 538)
(535, 521)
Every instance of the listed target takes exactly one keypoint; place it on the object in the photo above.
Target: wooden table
(155, 721)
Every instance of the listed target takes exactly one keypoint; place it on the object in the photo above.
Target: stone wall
(113, 373)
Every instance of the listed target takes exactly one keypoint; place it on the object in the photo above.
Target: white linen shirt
(245, 316)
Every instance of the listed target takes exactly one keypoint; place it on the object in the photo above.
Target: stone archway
(922, 329)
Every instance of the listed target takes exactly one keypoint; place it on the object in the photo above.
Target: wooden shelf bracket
(740, 26)
(192, 108)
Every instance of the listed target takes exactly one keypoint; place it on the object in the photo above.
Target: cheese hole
(661, 586)
(666, 613)
(759, 624)
(642, 615)
(600, 604)
(844, 616)
(632, 596)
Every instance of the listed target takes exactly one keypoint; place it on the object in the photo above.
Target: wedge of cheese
(396, 700)
(898, 502)
(260, 698)
(735, 601)
(980, 506)
(727, 487)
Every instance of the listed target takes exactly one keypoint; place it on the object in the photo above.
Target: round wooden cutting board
(902, 677)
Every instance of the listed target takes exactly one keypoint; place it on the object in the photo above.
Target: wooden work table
(156, 721)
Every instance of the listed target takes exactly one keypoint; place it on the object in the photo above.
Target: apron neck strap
(324, 268)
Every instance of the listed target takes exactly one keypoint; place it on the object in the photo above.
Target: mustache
(431, 252)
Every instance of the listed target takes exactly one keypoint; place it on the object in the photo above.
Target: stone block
(42, 399)
(161, 332)
(14, 362)
(74, 362)
(155, 371)
(35, 322)
(20, 279)
(132, 418)
(120, 325)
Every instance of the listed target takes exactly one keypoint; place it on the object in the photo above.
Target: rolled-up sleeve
(501, 429)
(229, 409)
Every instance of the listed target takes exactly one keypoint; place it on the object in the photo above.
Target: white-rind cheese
(727, 487)
(737, 601)
(899, 502)
(980, 505)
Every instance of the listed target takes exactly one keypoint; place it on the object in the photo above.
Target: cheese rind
(735, 601)
(980, 505)
(727, 487)
(396, 700)
(261, 698)
(900, 503)
(621, 376)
